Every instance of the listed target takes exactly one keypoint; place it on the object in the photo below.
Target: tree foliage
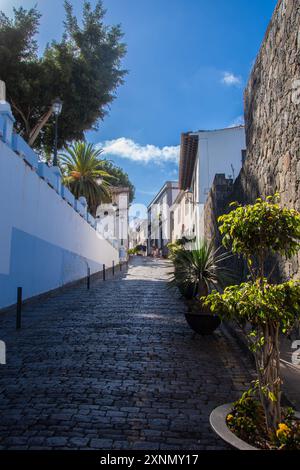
(253, 230)
(121, 178)
(83, 69)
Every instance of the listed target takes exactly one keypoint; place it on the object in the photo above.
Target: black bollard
(88, 279)
(19, 308)
(113, 268)
(103, 272)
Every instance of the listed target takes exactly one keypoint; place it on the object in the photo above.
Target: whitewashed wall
(218, 152)
(45, 242)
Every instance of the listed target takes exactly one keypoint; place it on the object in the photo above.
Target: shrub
(133, 251)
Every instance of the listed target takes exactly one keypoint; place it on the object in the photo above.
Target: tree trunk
(268, 368)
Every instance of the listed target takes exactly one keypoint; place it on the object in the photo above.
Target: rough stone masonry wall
(272, 112)
(217, 198)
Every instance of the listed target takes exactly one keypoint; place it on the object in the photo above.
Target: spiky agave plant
(198, 271)
(82, 173)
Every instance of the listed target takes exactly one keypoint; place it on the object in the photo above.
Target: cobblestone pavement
(115, 367)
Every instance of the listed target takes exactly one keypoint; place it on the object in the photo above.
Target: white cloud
(239, 121)
(230, 79)
(127, 148)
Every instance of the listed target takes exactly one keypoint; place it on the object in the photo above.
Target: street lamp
(56, 109)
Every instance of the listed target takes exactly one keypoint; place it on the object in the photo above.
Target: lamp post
(56, 109)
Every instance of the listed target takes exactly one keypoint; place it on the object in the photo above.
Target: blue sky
(188, 63)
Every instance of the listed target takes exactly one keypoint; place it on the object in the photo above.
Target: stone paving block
(79, 442)
(101, 443)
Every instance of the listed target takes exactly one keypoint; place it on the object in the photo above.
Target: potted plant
(134, 251)
(196, 273)
(254, 232)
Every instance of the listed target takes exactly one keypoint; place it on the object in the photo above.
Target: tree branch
(19, 111)
(38, 127)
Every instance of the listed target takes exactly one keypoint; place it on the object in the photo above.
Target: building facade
(112, 220)
(160, 221)
(204, 154)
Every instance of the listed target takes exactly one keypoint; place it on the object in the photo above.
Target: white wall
(217, 151)
(44, 242)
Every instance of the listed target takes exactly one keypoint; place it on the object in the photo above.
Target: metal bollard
(120, 265)
(113, 268)
(19, 308)
(103, 272)
(88, 279)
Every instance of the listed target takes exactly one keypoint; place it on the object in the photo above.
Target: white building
(112, 220)
(138, 234)
(202, 155)
(159, 217)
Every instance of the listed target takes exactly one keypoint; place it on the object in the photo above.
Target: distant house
(159, 221)
(138, 234)
(142, 233)
(202, 155)
(112, 219)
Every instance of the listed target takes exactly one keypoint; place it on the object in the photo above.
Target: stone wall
(272, 112)
(216, 200)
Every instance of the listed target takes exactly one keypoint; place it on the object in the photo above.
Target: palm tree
(82, 174)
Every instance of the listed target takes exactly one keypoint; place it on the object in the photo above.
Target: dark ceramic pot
(203, 323)
(200, 319)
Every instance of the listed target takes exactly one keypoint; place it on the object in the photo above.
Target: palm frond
(81, 166)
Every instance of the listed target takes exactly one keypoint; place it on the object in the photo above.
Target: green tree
(254, 232)
(83, 69)
(80, 166)
(120, 177)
